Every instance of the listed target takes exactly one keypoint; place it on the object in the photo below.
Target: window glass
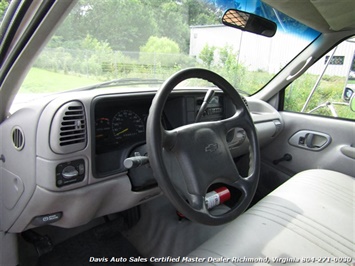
(142, 40)
(3, 7)
(326, 88)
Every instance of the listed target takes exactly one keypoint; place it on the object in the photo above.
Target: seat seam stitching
(298, 233)
(329, 184)
(327, 181)
(311, 219)
(340, 241)
(336, 196)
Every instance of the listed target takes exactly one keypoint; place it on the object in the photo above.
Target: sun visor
(320, 15)
(339, 14)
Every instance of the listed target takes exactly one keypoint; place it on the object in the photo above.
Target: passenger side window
(326, 88)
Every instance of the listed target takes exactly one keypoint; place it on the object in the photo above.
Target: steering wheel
(188, 160)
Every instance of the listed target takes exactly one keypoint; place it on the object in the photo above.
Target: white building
(281, 49)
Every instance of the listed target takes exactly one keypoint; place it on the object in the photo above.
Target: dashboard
(69, 165)
(120, 125)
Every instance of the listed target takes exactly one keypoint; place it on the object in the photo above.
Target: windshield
(143, 40)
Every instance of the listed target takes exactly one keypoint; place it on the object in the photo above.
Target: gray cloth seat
(310, 217)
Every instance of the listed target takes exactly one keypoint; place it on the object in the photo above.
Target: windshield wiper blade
(122, 82)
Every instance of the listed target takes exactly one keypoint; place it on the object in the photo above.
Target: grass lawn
(44, 81)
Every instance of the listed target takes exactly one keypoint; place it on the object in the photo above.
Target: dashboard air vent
(68, 130)
(18, 138)
(245, 102)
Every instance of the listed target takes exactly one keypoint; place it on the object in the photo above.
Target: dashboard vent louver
(245, 102)
(73, 126)
(18, 138)
(68, 131)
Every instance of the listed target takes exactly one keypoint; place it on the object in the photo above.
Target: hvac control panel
(70, 172)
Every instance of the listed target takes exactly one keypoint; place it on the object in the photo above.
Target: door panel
(313, 142)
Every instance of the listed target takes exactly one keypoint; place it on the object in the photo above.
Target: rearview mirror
(347, 94)
(249, 22)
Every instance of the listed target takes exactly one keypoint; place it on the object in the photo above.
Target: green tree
(175, 18)
(171, 20)
(91, 43)
(207, 55)
(160, 51)
(133, 23)
(233, 70)
(203, 13)
(160, 45)
(228, 58)
(3, 5)
(136, 20)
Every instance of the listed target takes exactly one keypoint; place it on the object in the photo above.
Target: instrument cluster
(120, 127)
(120, 124)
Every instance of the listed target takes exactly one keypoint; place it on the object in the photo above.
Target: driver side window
(326, 88)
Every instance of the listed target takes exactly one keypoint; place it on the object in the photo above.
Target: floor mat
(101, 245)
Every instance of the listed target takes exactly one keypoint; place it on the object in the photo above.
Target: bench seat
(310, 218)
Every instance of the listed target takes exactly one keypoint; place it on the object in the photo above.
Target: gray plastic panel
(79, 206)
(341, 132)
(262, 111)
(12, 189)
(9, 249)
(47, 173)
(17, 174)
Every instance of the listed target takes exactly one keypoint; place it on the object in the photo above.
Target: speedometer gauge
(127, 123)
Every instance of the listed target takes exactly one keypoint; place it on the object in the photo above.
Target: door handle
(310, 140)
(312, 143)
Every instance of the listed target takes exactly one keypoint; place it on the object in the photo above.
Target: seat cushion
(309, 218)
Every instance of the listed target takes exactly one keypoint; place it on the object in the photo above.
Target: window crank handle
(287, 157)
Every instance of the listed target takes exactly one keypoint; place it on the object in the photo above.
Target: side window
(326, 88)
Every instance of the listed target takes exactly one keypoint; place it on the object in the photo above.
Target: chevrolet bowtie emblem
(211, 147)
